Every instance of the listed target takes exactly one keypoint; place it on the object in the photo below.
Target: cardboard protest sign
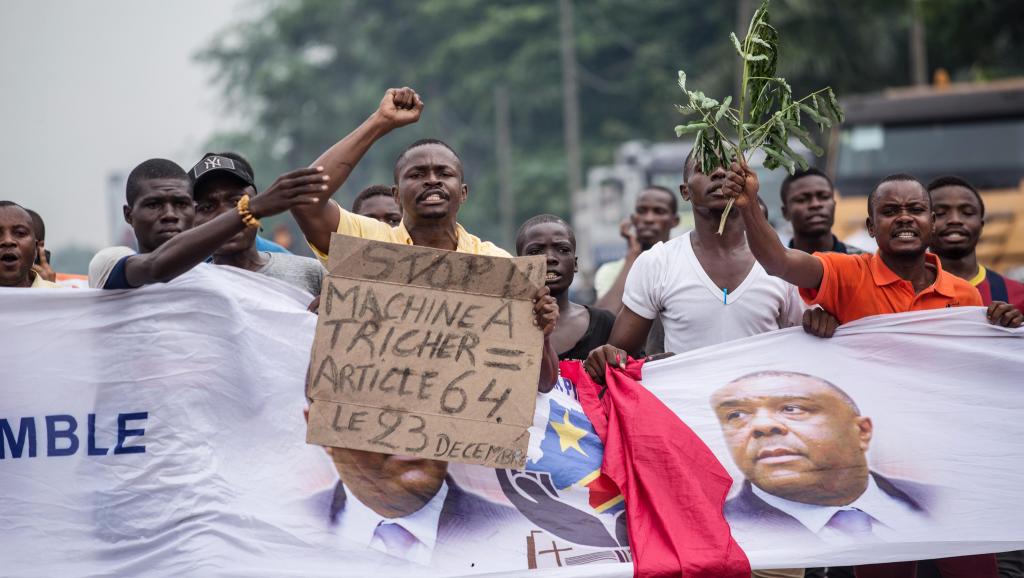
(426, 353)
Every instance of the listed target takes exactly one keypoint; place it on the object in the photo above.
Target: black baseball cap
(213, 164)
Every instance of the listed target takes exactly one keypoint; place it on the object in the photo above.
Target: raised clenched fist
(400, 106)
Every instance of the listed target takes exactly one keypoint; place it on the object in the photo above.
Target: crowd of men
(668, 294)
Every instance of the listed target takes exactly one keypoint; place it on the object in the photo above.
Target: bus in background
(975, 131)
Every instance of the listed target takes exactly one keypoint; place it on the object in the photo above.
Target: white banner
(898, 439)
(160, 432)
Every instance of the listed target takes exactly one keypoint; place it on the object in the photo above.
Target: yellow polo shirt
(40, 283)
(374, 230)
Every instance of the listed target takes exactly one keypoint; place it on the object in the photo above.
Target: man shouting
(430, 189)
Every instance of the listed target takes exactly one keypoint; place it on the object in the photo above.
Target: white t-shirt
(606, 275)
(668, 282)
(103, 263)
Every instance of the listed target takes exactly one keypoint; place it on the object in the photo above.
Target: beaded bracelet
(243, 210)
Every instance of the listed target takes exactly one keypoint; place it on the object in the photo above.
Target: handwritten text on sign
(426, 353)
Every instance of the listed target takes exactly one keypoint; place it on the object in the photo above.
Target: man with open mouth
(902, 276)
(429, 187)
(580, 328)
(18, 249)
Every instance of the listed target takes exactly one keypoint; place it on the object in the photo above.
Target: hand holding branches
(765, 115)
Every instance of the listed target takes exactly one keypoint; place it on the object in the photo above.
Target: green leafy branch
(766, 114)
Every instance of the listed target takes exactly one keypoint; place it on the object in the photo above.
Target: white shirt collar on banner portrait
(357, 523)
(895, 517)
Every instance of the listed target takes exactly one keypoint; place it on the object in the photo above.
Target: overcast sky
(94, 87)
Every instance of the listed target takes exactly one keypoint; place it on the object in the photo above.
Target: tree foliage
(298, 75)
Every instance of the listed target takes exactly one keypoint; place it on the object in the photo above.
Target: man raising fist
(430, 189)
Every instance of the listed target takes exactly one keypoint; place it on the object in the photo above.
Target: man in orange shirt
(902, 276)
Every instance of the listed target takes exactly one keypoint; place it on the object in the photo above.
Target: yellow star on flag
(569, 435)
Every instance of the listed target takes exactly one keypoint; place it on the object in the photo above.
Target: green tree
(975, 39)
(304, 73)
(301, 74)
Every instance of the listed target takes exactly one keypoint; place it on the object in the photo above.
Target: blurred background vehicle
(972, 130)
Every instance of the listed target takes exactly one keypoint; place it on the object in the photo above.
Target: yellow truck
(975, 131)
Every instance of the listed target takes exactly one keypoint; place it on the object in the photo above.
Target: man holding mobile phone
(19, 249)
(42, 264)
(654, 216)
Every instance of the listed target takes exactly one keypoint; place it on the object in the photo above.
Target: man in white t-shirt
(704, 287)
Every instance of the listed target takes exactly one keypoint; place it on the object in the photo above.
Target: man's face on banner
(393, 486)
(796, 437)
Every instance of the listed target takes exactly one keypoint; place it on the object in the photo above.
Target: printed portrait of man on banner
(801, 443)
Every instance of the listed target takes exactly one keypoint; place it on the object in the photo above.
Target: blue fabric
(837, 247)
(117, 278)
(997, 286)
(269, 246)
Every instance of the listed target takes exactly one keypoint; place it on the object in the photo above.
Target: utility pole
(918, 48)
(571, 127)
(503, 151)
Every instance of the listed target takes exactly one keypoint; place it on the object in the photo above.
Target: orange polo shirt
(855, 286)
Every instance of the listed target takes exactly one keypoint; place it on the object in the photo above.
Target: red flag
(674, 486)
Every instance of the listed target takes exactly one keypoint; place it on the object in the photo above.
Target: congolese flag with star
(572, 453)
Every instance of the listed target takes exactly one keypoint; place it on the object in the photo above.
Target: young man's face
(795, 437)
(958, 222)
(901, 220)
(552, 240)
(220, 194)
(17, 247)
(653, 217)
(810, 206)
(382, 208)
(163, 209)
(430, 183)
(705, 191)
